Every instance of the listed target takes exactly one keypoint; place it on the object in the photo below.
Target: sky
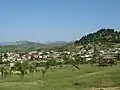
(56, 20)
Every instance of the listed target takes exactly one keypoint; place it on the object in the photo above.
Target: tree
(43, 71)
(118, 57)
(77, 42)
(1, 61)
(76, 66)
(51, 62)
(2, 71)
(22, 67)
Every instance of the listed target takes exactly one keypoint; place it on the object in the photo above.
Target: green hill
(102, 35)
(25, 46)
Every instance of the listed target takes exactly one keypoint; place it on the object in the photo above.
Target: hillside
(102, 35)
(20, 46)
(57, 43)
(27, 43)
(24, 42)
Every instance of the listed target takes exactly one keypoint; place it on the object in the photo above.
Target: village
(82, 55)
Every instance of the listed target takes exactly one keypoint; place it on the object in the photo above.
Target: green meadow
(67, 78)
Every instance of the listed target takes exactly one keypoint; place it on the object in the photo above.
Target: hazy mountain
(6, 43)
(17, 43)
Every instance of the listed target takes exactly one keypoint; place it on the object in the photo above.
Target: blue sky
(55, 20)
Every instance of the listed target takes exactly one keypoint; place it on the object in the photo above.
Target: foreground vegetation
(66, 78)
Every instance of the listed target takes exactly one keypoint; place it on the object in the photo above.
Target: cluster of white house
(44, 56)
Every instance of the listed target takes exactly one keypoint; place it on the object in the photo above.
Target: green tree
(51, 62)
(118, 57)
(22, 67)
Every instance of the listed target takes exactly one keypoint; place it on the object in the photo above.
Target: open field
(88, 78)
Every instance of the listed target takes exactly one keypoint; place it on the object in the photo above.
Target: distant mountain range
(6, 43)
(29, 43)
(26, 46)
(20, 43)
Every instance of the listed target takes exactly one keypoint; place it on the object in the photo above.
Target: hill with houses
(101, 36)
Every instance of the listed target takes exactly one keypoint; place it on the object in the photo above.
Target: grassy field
(88, 78)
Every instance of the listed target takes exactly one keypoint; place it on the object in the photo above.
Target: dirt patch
(109, 88)
(87, 74)
(21, 83)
